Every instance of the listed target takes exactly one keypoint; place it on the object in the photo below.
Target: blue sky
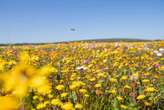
(51, 20)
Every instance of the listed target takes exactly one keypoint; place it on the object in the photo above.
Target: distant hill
(117, 40)
(90, 40)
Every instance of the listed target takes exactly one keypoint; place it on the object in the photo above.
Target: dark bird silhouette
(72, 29)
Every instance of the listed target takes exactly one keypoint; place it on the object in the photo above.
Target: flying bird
(72, 29)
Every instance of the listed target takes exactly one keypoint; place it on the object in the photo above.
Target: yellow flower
(124, 77)
(134, 76)
(24, 57)
(67, 106)
(147, 103)
(140, 97)
(92, 79)
(86, 95)
(1, 67)
(50, 96)
(113, 80)
(72, 87)
(56, 102)
(98, 85)
(34, 58)
(147, 74)
(46, 70)
(2, 64)
(119, 98)
(8, 103)
(150, 89)
(41, 98)
(83, 91)
(101, 75)
(127, 87)
(24, 70)
(37, 81)
(157, 76)
(20, 90)
(12, 62)
(76, 84)
(112, 91)
(46, 103)
(17, 80)
(41, 84)
(123, 106)
(145, 81)
(60, 87)
(61, 81)
(40, 106)
(78, 106)
(44, 89)
(35, 97)
(73, 76)
(63, 95)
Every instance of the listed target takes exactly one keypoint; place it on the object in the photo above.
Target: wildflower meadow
(82, 76)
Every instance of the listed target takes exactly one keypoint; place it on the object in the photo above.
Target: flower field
(83, 76)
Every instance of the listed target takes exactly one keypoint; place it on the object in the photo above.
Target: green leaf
(116, 105)
(73, 96)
